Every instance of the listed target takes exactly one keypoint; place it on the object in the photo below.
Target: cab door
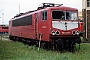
(44, 25)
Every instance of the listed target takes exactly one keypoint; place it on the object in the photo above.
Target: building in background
(86, 17)
(80, 15)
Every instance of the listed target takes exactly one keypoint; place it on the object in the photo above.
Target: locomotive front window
(71, 16)
(64, 15)
(58, 15)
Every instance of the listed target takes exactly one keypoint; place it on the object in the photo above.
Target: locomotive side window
(22, 21)
(15, 22)
(44, 15)
(26, 20)
(58, 15)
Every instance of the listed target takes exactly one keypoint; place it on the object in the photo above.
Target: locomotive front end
(66, 27)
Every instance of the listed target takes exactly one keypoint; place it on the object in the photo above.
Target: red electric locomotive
(3, 29)
(54, 25)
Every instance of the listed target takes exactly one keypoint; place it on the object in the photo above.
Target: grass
(10, 50)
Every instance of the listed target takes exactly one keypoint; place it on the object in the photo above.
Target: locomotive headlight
(73, 32)
(57, 32)
(53, 32)
(77, 32)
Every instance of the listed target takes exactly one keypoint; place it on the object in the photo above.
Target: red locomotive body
(57, 26)
(3, 29)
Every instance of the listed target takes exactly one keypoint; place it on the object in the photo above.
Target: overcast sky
(9, 8)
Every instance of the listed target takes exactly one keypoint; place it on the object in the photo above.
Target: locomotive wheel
(27, 41)
(30, 42)
(11, 38)
(14, 38)
(23, 40)
(17, 39)
(42, 45)
(71, 46)
(36, 43)
(45, 45)
(59, 45)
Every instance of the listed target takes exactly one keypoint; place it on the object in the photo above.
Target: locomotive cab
(65, 27)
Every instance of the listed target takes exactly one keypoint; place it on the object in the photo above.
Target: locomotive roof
(48, 8)
(64, 7)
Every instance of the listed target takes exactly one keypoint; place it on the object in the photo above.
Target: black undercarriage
(59, 44)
